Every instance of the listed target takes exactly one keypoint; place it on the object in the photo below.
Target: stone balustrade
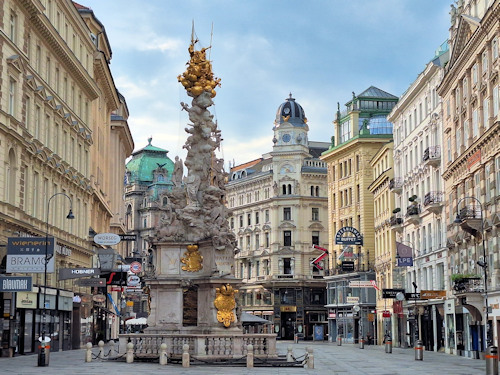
(200, 345)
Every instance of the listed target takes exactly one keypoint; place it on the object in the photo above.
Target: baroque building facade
(54, 81)
(359, 133)
(279, 211)
(471, 172)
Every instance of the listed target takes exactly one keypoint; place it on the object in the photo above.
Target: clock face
(286, 111)
(286, 138)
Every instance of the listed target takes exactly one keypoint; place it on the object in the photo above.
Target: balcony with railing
(433, 201)
(396, 185)
(471, 220)
(432, 156)
(413, 214)
(464, 285)
(396, 222)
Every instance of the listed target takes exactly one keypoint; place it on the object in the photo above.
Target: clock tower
(290, 126)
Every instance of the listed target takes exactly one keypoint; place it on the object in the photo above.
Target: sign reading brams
(348, 236)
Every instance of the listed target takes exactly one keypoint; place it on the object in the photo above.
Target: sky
(320, 51)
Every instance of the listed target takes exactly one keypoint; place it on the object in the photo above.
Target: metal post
(491, 360)
(388, 344)
(43, 356)
(419, 350)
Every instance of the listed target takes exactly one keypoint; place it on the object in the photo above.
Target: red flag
(374, 284)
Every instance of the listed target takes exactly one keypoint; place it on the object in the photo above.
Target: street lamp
(42, 359)
(483, 264)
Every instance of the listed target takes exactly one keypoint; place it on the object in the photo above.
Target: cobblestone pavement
(328, 359)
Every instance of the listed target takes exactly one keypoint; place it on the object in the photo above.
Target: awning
(247, 318)
(136, 321)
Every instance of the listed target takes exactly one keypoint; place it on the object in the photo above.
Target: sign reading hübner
(75, 273)
(29, 254)
(348, 236)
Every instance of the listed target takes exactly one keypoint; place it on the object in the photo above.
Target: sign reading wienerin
(27, 254)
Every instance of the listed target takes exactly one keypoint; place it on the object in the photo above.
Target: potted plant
(396, 210)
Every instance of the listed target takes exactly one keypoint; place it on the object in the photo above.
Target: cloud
(243, 150)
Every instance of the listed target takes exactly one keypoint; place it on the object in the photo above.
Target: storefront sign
(412, 295)
(97, 282)
(288, 308)
(128, 237)
(348, 236)
(391, 293)
(473, 159)
(432, 294)
(28, 254)
(352, 300)
(15, 283)
(75, 273)
(347, 266)
(360, 284)
(107, 239)
(386, 314)
(26, 300)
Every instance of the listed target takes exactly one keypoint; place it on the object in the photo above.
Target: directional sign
(128, 237)
(15, 284)
(92, 282)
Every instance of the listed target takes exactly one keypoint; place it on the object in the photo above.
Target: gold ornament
(225, 304)
(192, 259)
(198, 76)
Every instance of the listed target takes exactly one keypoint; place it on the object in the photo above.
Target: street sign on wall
(28, 254)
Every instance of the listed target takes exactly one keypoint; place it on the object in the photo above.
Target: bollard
(361, 343)
(185, 355)
(339, 341)
(296, 338)
(310, 357)
(163, 354)
(491, 358)
(130, 353)
(388, 344)
(88, 352)
(419, 350)
(111, 347)
(289, 354)
(250, 356)
(100, 344)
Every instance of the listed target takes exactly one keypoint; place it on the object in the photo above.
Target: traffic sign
(135, 267)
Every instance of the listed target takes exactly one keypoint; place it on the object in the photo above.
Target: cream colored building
(471, 155)
(279, 211)
(386, 273)
(56, 100)
(359, 133)
(419, 195)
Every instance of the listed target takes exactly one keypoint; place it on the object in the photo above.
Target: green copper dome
(145, 161)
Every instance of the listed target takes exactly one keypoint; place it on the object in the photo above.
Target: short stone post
(163, 354)
(289, 354)
(185, 355)
(111, 347)
(130, 352)
(100, 344)
(310, 357)
(88, 352)
(250, 356)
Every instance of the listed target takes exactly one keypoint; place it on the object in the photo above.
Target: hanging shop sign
(107, 239)
(391, 293)
(75, 273)
(348, 236)
(128, 237)
(347, 265)
(97, 282)
(29, 254)
(15, 283)
(352, 299)
(26, 300)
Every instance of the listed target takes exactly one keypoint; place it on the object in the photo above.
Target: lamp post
(483, 264)
(42, 358)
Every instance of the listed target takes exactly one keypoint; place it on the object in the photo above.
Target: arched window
(312, 191)
(317, 191)
(161, 178)
(289, 189)
(165, 201)
(284, 189)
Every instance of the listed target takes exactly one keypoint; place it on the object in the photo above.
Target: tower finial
(149, 140)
